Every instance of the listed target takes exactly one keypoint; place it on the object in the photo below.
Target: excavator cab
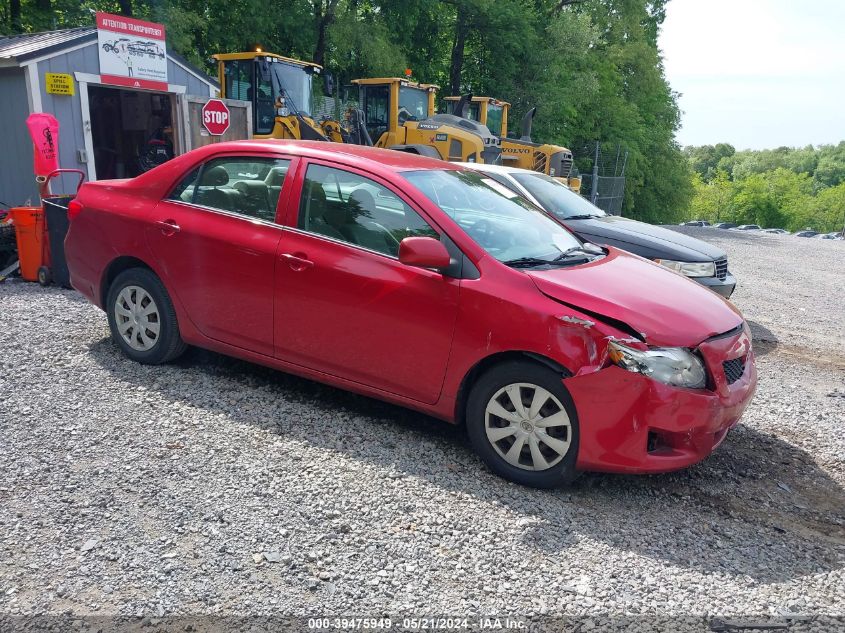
(553, 160)
(399, 114)
(486, 110)
(389, 103)
(279, 88)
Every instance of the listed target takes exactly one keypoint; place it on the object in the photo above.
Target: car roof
(376, 156)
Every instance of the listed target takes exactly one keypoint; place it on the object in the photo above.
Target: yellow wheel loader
(399, 114)
(486, 110)
(553, 160)
(395, 113)
(279, 89)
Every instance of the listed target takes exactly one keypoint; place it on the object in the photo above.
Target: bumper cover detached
(632, 424)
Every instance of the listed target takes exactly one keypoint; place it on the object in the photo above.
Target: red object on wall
(44, 131)
(215, 117)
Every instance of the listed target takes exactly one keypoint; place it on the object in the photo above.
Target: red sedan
(417, 282)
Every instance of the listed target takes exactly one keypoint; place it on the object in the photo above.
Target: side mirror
(423, 252)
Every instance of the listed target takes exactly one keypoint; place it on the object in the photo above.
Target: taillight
(73, 209)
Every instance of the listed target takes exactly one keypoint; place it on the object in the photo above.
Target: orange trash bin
(29, 235)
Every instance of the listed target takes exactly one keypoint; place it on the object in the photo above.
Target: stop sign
(215, 117)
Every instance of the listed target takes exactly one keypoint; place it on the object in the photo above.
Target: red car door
(345, 305)
(215, 240)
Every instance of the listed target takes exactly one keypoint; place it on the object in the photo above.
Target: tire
(45, 277)
(557, 415)
(144, 323)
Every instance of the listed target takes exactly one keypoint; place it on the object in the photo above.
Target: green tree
(831, 165)
(826, 212)
(705, 159)
(755, 203)
(712, 200)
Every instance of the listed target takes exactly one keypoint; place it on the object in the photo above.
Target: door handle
(297, 261)
(168, 227)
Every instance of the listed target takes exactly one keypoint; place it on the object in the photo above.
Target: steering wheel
(489, 237)
(481, 229)
(405, 115)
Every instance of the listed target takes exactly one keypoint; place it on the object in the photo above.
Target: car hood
(659, 241)
(664, 307)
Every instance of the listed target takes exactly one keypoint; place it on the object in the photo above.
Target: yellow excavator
(552, 160)
(399, 114)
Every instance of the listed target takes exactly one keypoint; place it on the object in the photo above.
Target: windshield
(295, 84)
(557, 198)
(497, 219)
(494, 119)
(413, 104)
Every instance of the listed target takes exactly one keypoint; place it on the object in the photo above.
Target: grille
(565, 168)
(734, 369)
(722, 268)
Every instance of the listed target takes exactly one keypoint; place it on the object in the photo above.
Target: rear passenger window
(247, 186)
(357, 210)
(184, 191)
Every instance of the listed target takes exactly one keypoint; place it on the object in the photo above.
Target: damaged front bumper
(629, 423)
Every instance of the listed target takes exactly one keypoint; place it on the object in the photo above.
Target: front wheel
(522, 423)
(142, 318)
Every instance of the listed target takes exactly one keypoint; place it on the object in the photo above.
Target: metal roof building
(104, 124)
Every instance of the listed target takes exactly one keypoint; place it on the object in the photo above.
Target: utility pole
(843, 231)
(594, 190)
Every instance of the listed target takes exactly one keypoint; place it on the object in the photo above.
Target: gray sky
(757, 73)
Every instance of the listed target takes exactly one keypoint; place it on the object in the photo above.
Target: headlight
(670, 365)
(690, 269)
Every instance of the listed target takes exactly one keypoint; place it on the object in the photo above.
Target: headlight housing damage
(674, 366)
(690, 269)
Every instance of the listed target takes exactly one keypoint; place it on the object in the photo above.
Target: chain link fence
(609, 193)
(603, 175)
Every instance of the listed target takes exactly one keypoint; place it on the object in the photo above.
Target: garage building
(103, 126)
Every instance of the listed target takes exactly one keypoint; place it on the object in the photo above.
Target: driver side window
(354, 209)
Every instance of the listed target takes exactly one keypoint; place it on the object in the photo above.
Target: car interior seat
(274, 180)
(209, 193)
(317, 208)
(361, 227)
(254, 199)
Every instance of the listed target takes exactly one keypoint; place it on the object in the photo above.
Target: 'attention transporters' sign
(132, 52)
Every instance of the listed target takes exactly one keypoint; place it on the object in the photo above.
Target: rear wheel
(142, 318)
(522, 423)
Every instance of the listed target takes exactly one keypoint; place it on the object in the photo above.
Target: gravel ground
(216, 487)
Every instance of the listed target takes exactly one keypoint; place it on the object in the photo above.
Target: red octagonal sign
(215, 117)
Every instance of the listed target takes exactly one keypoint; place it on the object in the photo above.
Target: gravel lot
(218, 487)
